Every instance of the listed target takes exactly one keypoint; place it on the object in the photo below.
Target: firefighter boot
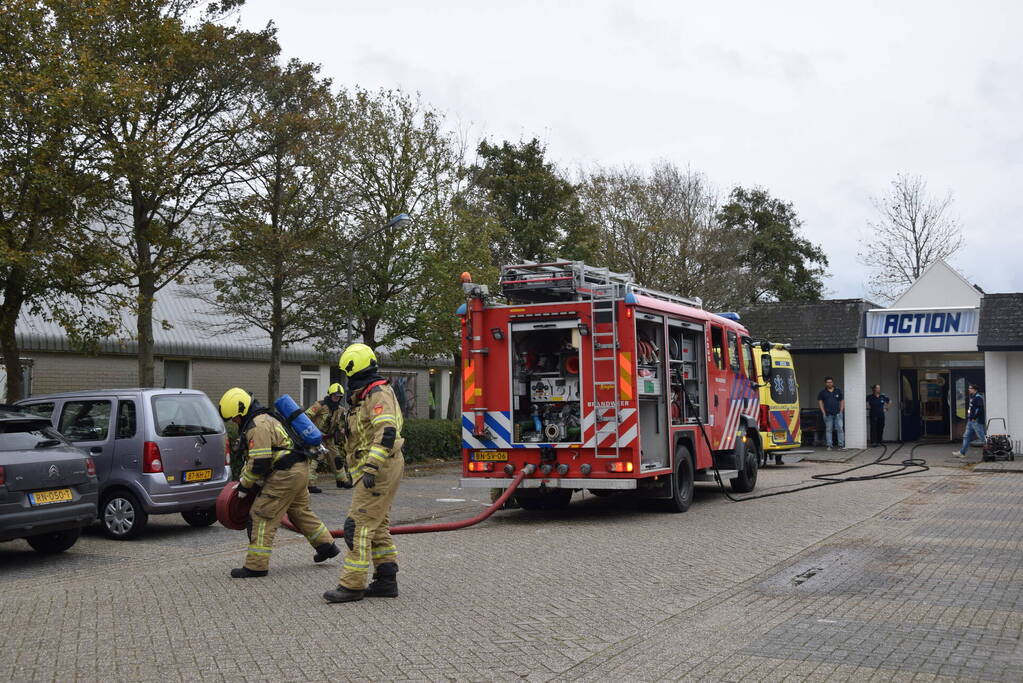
(385, 582)
(246, 573)
(342, 594)
(325, 551)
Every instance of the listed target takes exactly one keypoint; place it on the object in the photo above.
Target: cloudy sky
(820, 103)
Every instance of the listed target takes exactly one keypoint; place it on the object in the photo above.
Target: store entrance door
(934, 404)
(962, 378)
(909, 405)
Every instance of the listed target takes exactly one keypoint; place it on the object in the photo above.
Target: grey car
(157, 451)
(48, 488)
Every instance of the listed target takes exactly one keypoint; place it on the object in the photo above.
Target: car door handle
(96, 450)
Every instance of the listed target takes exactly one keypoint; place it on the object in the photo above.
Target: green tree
(49, 189)
(537, 208)
(393, 156)
(270, 273)
(168, 92)
(778, 264)
(660, 226)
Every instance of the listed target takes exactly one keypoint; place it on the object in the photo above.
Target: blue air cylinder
(299, 421)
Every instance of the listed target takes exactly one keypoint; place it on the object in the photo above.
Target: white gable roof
(939, 285)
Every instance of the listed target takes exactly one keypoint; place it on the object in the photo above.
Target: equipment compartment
(546, 396)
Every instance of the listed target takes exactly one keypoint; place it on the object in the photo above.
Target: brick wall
(60, 372)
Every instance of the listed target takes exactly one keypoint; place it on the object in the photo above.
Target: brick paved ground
(902, 579)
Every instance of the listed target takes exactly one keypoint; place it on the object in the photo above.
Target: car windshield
(783, 385)
(24, 435)
(186, 415)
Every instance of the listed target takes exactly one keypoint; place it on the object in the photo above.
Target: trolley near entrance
(588, 380)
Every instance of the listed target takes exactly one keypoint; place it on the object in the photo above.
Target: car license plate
(47, 497)
(484, 456)
(198, 475)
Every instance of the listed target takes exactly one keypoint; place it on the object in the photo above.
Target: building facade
(941, 335)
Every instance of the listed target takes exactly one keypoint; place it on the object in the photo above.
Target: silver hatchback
(157, 451)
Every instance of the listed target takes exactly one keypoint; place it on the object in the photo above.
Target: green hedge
(424, 440)
(432, 440)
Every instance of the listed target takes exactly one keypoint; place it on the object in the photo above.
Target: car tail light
(765, 418)
(227, 450)
(481, 467)
(90, 467)
(619, 467)
(151, 462)
(3, 476)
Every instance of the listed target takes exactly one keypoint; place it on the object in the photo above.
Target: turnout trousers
(284, 492)
(332, 452)
(371, 542)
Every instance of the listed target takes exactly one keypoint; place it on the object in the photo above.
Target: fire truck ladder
(603, 286)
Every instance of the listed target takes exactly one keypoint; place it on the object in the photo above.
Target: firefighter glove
(369, 480)
(243, 491)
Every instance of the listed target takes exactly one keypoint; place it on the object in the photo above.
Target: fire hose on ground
(233, 512)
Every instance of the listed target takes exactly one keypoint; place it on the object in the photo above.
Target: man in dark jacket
(975, 416)
(878, 404)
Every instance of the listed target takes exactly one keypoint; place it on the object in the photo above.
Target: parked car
(157, 451)
(48, 487)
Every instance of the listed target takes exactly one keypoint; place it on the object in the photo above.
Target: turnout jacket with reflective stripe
(265, 439)
(374, 429)
(329, 422)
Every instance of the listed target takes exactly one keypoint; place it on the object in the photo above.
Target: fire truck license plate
(489, 455)
(47, 497)
(198, 475)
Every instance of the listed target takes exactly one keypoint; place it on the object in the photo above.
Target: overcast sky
(821, 104)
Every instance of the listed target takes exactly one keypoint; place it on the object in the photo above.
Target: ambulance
(778, 419)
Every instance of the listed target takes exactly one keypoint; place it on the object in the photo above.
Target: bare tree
(914, 230)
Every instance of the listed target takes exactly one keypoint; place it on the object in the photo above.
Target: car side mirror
(765, 366)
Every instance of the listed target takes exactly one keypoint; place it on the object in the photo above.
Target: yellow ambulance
(779, 399)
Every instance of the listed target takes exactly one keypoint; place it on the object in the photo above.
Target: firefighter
(373, 447)
(276, 473)
(328, 415)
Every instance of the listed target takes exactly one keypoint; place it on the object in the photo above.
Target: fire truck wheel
(747, 458)
(543, 499)
(682, 487)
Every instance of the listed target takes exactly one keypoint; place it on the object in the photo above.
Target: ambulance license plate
(492, 456)
(47, 497)
(198, 475)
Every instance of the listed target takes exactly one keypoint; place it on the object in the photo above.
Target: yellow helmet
(356, 358)
(336, 388)
(234, 402)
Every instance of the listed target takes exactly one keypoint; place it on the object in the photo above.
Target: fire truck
(589, 380)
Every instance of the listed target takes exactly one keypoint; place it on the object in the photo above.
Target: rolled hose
(232, 511)
(441, 526)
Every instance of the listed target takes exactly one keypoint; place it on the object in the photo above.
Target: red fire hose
(234, 513)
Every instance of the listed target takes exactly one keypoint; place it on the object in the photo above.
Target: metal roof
(185, 326)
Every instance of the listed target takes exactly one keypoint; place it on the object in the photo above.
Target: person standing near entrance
(878, 404)
(975, 416)
(831, 402)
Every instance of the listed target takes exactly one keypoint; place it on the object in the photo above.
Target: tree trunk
(369, 332)
(455, 393)
(273, 380)
(14, 298)
(144, 329)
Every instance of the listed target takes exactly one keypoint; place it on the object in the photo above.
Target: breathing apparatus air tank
(299, 421)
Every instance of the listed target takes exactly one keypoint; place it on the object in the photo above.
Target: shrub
(432, 440)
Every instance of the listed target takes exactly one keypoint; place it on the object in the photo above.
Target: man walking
(831, 402)
(328, 414)
(975, 416)
(878, 405)
(276, 473)
(373, 445)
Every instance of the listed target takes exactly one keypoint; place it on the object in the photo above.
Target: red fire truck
(605, 385)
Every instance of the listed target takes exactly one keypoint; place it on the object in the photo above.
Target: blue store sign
(945, 322)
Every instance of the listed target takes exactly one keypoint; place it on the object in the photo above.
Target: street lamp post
(399, 221)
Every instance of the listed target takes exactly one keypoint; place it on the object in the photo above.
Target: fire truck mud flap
(608, 484)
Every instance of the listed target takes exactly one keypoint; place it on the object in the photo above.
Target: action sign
(946, 322)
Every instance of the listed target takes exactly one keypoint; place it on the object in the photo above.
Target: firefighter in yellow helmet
(328, 414)
(276, 473)
(373, 448)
